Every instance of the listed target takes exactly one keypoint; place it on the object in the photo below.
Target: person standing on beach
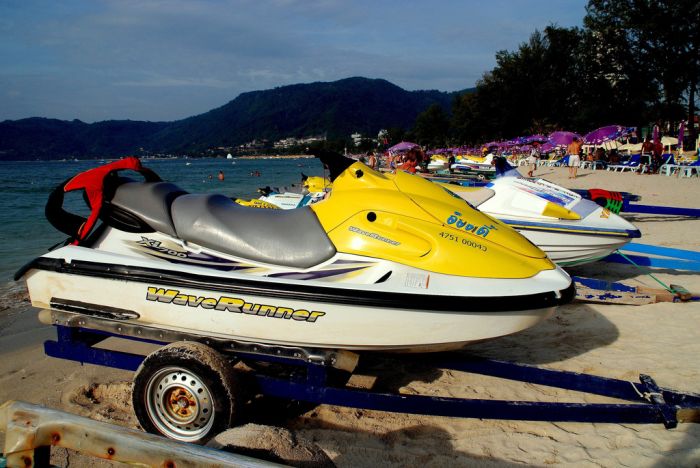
(372, 161)
(532, 159)
(573, 150)
(657, 157)
(412, 160)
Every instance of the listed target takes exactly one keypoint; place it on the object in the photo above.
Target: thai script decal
(373, 235)
(231, 304)
(459, 223)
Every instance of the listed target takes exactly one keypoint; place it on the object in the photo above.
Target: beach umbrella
(668, 141)
(547, 147)
(562, 138)
(631, 148)
(535, 138)
(403, 146)
(604, 134)
(655, 134)
(681, 135)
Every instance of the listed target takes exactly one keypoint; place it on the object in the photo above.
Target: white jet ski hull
(406, 312)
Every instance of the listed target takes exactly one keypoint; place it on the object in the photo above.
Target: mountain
(39, 138)
(335, 109)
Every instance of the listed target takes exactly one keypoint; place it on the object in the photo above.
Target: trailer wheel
(185, 391)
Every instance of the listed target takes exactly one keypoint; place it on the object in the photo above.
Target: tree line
(634, 63)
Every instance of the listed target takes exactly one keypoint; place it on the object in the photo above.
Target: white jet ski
(571, 229)
(483, 166)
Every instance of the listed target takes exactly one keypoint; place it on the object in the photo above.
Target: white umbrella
(669, 141)
(631, 147)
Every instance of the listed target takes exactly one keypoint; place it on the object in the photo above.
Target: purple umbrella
(562, 138)
(547, 147)
(603, 134)
(403, 146)
(655, 135)
(535, 138)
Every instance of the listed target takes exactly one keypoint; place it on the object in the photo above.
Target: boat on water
(386, 262)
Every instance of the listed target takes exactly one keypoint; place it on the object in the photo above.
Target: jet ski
(571, 229)
(438, 162)
(387, 262)
(483, 166)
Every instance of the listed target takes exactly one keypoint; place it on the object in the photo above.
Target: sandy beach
(618, 341)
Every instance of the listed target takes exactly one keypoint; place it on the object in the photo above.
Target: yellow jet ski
(385, 262)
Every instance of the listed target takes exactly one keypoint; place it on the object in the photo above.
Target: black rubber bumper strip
(316, 292)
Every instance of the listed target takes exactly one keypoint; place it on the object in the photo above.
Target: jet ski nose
(632, 231)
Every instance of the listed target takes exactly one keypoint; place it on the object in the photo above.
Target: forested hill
(335, 109)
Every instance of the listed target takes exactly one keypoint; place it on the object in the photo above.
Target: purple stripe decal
(314, 274)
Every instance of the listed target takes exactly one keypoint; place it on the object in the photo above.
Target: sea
(25, 186)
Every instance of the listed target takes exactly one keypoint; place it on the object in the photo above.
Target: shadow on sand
(620, 272)
(418, 445)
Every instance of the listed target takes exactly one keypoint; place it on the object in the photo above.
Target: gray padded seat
(292, 238)
(150, 201)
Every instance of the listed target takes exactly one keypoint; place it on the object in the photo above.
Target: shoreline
(163, 158)
(617, 341)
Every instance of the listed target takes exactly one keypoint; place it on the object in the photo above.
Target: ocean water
(25, 186)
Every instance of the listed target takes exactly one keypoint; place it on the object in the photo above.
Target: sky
(164, 60)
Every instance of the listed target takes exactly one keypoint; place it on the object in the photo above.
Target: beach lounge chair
(669, 165)
(597, 164)
(631, 164)
(634, 163)
(561, 162)
(587, 164)
(690, 170)
(548, 161)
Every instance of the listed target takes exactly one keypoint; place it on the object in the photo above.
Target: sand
(609, 340)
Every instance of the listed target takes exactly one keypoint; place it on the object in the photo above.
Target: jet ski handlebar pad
(293, 238)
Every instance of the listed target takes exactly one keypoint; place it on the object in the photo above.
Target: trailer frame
(646, 402)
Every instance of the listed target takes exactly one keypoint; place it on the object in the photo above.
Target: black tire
(185, 391)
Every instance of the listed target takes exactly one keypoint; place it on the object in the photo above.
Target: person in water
(221, 175)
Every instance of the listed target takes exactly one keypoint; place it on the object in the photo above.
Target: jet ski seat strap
(293, 238)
